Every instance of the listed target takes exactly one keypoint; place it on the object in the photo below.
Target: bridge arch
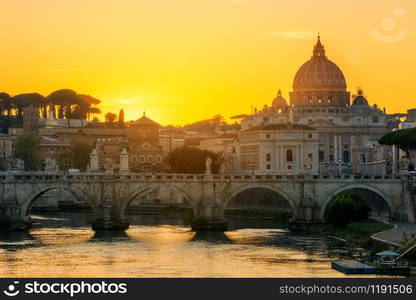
(77, 192)
(367, 187)
(230, 196)
(144, 189)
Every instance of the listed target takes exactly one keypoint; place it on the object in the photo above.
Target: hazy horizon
(187, 60)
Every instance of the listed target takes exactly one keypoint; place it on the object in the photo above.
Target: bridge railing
(88, 177)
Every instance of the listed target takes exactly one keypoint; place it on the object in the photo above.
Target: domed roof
(144, 121)
(360, 100)
(279, 100)
(319, 73)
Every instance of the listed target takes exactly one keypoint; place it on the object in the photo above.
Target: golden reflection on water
(160, 251)
(161, 234)
(62, 236)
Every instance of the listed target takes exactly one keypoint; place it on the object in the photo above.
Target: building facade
(348, 130)
(282, 149)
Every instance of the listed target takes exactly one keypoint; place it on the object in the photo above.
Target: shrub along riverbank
(355, 232)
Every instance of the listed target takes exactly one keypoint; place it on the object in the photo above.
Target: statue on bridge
(208, 163)
(20, 165)
(50, 165)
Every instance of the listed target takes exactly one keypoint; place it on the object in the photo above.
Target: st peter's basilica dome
(319, 73)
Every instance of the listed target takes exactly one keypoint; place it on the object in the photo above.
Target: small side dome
(360, 99)
(279, 101)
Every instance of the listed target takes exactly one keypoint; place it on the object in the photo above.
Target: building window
(268, 157)
(309, 135)
(346, 156)
(146, 146)
(158, 159)
(268, 167)
(142, 158)
(267, 136)
(150, 158)
(362, 158)
(310, 156)
(359, 140)
(375, 119)
(321, 155)
(289, 155)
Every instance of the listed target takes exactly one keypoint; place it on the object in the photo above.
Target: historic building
(145, 151)
(31, 118)
(219, 143)
(348, 130)
(285, 149)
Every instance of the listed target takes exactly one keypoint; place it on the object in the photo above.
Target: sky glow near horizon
(187, 60)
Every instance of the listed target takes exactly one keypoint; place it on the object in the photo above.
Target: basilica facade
(348, 127)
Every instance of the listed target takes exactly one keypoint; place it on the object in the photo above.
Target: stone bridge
(109, 195)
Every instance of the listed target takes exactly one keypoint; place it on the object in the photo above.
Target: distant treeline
(64, 104)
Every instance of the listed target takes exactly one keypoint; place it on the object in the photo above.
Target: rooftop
(282, 126)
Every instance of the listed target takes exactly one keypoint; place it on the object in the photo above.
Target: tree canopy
(192, 160)
(63, 103)
(405, 139)
(27, 149)
(76, 156)
(346, 207)
(110, 119)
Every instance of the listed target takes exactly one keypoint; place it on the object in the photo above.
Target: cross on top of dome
(319, 50)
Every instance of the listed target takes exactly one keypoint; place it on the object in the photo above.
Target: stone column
(352, 162)
(302, 159)
(395, 160)
(94, 161)
(124, 161)
(335, 147)
(278, 161)
(340, 153)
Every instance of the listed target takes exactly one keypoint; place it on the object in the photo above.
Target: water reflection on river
(63, 245)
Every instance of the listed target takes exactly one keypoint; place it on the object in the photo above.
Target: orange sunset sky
(186, 60)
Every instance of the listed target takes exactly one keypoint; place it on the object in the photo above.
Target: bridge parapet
(60, 176)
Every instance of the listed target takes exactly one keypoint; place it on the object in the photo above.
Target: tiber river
(63, 245)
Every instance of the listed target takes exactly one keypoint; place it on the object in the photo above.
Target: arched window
(289, 155)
